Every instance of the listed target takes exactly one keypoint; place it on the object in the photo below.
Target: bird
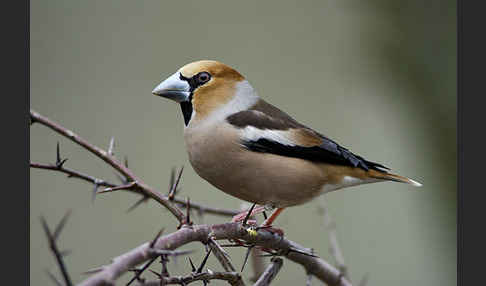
(252, 150)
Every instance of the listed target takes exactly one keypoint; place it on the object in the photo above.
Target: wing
(265, 128)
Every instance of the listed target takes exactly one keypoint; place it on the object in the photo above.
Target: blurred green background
(379, 77)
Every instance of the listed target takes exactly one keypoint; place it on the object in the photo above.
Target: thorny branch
(263, 238)
(139, 186)
(121, 168)
(52, 238)
(257, 239)
(100, 182)
(233, 278)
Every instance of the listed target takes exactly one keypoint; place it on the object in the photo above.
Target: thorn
(59, 161)
(111, 146)
(125, 161)
(52, 244)
(46, 230)
(138, 272)
(188, 212)
(95, 190)
(157, 274)
(120, 187)
(264, 215)
(248, 251)
(199, 270)
(58, 154)
(61, 225)
(173, 189)
(137, 203)
(172, 178)
(193, 268)
(248, 214)
(156, 237)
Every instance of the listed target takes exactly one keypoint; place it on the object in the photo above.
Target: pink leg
(272, 217)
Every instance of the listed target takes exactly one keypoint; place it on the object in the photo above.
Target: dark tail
(392, 177)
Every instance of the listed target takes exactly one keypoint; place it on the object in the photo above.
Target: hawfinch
(252, 150)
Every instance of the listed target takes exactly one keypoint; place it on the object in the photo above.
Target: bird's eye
(203, 77)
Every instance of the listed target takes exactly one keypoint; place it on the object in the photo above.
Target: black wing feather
(265, 116)
(328, 152)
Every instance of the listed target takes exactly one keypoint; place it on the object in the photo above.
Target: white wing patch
(245, 97)
(250, 133)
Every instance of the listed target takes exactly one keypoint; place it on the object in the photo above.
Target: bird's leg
(267, 224)
(272, 217)
(244, 218)
(241, 216)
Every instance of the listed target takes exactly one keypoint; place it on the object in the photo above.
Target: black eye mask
(194, 82)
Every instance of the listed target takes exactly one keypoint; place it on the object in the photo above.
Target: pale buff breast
(255, 177)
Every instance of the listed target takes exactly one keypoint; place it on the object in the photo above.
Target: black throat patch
(186, 107)
(194, 82)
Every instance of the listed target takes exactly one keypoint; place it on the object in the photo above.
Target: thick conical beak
(174, 88)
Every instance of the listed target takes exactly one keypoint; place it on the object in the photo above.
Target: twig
(333, 241)
(231, 277)
(205, 209)
(180, 202)
(52, 237)
(221, 255)
(314, 265)
(120, 167)
(270, 272)
(72, 174)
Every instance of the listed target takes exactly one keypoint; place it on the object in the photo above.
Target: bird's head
(203, 87)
